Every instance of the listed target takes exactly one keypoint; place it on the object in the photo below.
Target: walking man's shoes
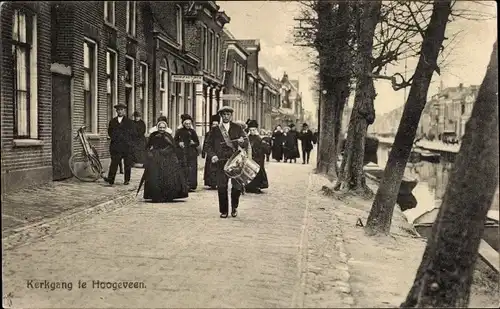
(234, 213)
(126, 183)
(223, 215)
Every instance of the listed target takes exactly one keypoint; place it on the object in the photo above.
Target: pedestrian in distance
(189, 144)
(278, 139)
(122, 131)
(259, 156)
(139, 151)
(210, 170)
(222, 143)
(267, 139)
(164, 179)
(306, 137)
(291, 144)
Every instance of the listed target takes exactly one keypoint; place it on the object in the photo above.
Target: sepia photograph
(249, 154)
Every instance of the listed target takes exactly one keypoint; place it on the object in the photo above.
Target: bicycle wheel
(95, 164)
(83, 170)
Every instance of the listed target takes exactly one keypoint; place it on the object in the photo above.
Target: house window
(109, 12)
(204, 37)
(131, 17)
(217, 56)
(24, 52)
(180, 24)
(90, 84)
(235, 75)
(188, 107)
(164, 88)
(129, 85)
(143, 91)
(209, 51)
(111, 82)
(212, 52)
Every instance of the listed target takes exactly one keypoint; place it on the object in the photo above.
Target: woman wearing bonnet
(163, 175)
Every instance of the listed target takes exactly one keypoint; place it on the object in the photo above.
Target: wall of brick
(35, 157)
(86, 20)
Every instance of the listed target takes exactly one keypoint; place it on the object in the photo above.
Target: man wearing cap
(189, 145)
(122, 132)
(221, 144)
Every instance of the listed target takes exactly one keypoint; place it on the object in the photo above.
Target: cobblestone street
(185, 255)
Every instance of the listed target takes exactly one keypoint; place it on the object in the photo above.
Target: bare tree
(327, 29)
(379, 220)
(445, 273)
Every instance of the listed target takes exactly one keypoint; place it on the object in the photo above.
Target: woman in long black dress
(258, 155)
(164, 178)
(291, 146)
(189, 143)
(210, 172)
(278, 140)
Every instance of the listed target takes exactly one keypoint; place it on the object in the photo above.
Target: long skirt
(139, 151)
(190, 165)
(259, 182)
(291, 152)
(164, 177)
(210, 173)
(277, 152)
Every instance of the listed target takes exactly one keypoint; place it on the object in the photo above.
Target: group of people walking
(170, 159)
(285, 146)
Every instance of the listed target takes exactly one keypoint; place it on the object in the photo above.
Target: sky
(272, 22)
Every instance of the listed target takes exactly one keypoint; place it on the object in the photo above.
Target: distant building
(290, 109)
(271, 97)
(447, 111)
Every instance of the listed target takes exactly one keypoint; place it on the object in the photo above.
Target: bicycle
(91, 167)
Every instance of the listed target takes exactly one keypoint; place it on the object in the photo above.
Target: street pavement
(182, 254)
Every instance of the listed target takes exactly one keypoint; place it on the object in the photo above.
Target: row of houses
(446, 112)
(66, 64)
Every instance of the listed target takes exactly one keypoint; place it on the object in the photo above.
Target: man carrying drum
(221, 144)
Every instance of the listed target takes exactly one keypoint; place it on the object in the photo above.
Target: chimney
(461, 86)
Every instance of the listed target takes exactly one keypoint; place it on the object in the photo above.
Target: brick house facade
(235, 77)
(26, 95)
(204, 24)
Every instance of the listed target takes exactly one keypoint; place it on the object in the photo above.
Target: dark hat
(304, 124)
(137, 114)
(185, 117)
(292, 125)
(248, 120)
(226, 109)
(252, 124)
(162, 118)
(120, 105)
(215, 118)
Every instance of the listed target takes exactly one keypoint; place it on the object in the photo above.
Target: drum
(241, 168)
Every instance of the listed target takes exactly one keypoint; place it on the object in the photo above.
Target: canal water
(432, 180)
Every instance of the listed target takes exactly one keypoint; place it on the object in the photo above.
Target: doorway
(61, 126)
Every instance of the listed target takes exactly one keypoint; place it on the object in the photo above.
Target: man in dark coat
(139, 155)
(189, 143)
(306, 137)
(122, 132)
(259, 156)
(209, 173)
(222, 143)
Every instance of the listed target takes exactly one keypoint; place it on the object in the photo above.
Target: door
(61, 126)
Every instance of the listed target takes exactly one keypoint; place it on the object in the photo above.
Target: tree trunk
(325, 14)
(445, 274)
(334, 37)
(351, 171)
(379, 220)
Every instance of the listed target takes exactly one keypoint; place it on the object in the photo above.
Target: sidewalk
(382, 269)
(65, 200)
